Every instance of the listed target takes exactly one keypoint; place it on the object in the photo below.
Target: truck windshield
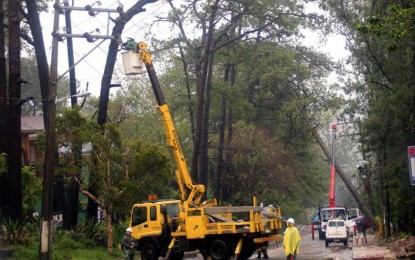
(172, 210)
(333, 214)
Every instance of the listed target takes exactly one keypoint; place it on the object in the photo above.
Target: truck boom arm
(190, 192)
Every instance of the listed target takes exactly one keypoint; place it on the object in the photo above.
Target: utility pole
(50, 148)
(332, 203)
(49, 171)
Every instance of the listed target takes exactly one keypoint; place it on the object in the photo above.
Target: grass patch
(23, 252)
(79, 244)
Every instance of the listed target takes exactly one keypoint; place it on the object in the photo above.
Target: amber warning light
(152, 197)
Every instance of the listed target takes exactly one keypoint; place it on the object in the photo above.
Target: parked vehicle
(336, 231)
(350, 221)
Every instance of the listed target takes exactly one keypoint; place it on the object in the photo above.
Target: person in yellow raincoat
(291, 240)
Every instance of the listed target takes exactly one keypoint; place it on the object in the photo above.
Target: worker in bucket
(292, 239)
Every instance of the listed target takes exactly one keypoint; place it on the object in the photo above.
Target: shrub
(13, 232)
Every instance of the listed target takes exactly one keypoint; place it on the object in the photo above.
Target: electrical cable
(134, 25)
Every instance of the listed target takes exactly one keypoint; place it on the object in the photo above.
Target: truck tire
(345, 242)
(149, 252)
(219, 250)
(327, 243)
(177, 255)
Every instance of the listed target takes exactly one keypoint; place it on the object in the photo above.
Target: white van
(336, 231)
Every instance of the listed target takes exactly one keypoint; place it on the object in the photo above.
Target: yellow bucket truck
(169, 228)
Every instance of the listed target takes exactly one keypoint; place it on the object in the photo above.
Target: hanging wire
(84, 60)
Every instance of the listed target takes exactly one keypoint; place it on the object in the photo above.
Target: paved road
(316, 249)
(309, 249)
(313, 249)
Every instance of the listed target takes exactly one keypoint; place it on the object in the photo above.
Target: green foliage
(120, 171)
(13, 232)
(90, 233)
(264, 167)
(32, 187)
(67, 245)
(67, 242)
(394, 25)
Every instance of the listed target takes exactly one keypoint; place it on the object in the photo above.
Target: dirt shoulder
(393, 248)
(403, 248)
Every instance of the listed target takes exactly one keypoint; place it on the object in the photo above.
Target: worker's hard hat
(129, 230)
(291, 220)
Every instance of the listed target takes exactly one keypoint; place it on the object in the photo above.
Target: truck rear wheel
(219, 250)
(149, 252)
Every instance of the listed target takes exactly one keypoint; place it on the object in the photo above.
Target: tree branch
(87, 193)
(23, 35)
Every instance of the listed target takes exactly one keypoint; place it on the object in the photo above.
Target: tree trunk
(3, 106)
(228, 156)
(41, 59)
(200, 73)
(204, 149)
(110, 233)
(204, 99)
(3, 82)
(194, 169)
(112, 57)
(13, 178)
(106, 212)
(109, 68)
(221, 142)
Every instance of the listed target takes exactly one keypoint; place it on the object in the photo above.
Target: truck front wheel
(219, 250)
(149, 252)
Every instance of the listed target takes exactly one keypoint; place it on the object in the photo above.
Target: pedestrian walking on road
(128, 245)
(292, 239)
(361, 230)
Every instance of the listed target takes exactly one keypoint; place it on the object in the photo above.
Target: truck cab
(330, 213)
(153, 220)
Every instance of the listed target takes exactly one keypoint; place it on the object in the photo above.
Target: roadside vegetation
(83, 243)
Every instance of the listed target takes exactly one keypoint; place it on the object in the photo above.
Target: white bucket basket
(132, 63)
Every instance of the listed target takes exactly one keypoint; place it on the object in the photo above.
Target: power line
(137, 25)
